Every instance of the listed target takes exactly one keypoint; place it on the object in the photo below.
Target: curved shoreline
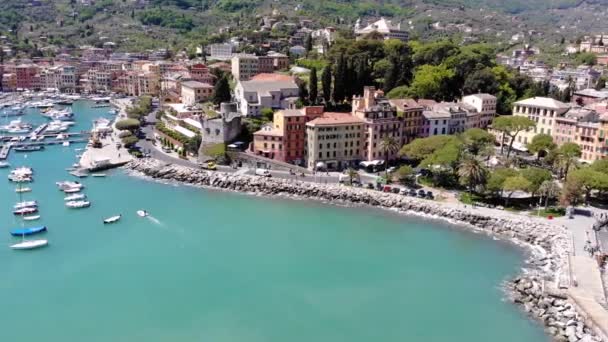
(536, 289)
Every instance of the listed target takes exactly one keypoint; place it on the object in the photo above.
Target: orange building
(285, 139)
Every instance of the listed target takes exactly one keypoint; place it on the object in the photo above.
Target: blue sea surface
(216, 266)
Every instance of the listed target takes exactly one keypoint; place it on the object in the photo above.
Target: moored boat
(72, 190)
(28, 231)
(98, 174)
(25, 211)
(25, 204)
(112, 219)
(69, 185)
(75, 197)
(31, 218)
(29, 148)
(21, 190)
(4, 165)
(30, 244)
(78, 204)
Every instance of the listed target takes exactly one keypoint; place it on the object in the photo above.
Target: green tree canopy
(511, 126)
(420, 148)
(567, 155)
(513, 184)
(541, 142)
(476, 139)
(589, 180)
(128, 124)
(431, 82)
(536, 176)
(497, 178)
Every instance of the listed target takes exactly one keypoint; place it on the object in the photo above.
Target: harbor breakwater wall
(548, 243)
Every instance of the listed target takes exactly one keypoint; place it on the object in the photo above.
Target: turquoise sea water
(215, 266)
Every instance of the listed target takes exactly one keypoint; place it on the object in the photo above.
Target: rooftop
(196, 84)
(330, 119)
(590, 92)
(544, 102)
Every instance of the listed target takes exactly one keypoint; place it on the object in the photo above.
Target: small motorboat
(31, 244)
(112, 219)
(25, 204)
(26, 211)
(31, 218)
(20, 190)
(75, 197)
(98, 174)
(72, 190)
(65, 144)
(28, 231)
(4, 165)
(78, 204)
(142, 213)
(29, 148)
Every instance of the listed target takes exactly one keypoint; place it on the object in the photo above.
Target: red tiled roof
(272, 77)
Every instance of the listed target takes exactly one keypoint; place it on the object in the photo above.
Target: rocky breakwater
(547, 243)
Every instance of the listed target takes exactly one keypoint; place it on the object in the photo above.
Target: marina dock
(111, 153)
(6, 149)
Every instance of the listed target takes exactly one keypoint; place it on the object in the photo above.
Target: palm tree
(352, 174)
(472, 173)
(549, 189)
(388, 146)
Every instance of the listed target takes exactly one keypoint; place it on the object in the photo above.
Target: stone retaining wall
(548, 243)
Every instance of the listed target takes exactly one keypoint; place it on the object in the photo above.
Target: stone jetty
(536, 290)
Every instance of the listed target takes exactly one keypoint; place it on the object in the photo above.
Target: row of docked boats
(76, 200)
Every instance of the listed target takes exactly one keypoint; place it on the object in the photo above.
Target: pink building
(26, 74)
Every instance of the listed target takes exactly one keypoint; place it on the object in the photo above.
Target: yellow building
(335, 141)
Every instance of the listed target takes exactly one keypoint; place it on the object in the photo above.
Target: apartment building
(285, 138)
(265, 91)
(195, 92)
(435, 123)
(381, 121)
(543, 111)
(25, 74)
(410, 111)
(335, 141)
(484, 105)
(221, 52)
(244, 66)
(200, 72)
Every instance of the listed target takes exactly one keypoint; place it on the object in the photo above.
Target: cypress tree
(326, 83)
(312, 86)
(339, 81)
(392, 76)
(221, 91)
(308, 44)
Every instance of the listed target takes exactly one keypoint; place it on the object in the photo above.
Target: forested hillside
(145, 24)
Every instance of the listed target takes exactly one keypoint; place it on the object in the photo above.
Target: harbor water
(216, 266)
